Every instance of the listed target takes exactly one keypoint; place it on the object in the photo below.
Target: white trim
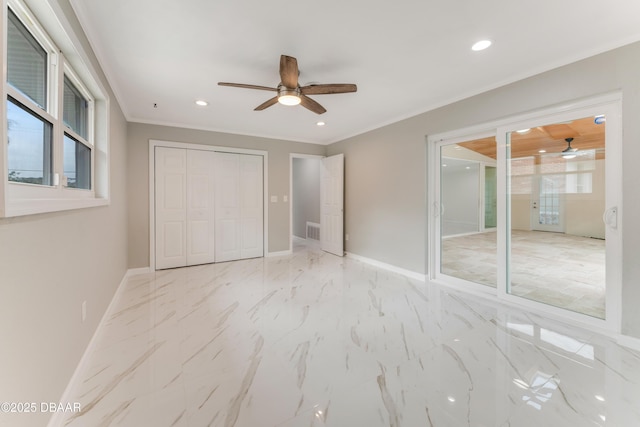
(629, 342)
(281, 253)
(138, 271)
(153, 143)
(392, 268)
(291, 157)
(73, 385)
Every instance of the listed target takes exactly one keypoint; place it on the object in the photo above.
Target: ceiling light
(451, 399)
(522, 131)
(289, 100)
(481, 45)
(202, 103)
(542, 151)
(288, 96)
(600, 398)
(321, 123)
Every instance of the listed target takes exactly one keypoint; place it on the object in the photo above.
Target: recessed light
(321, 123)
(451, 399)
(600, 398)
(481, 45)
(202, 103)
(542, 151)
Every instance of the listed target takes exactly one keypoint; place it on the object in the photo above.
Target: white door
(332, 205)
(251, 207)
(200, 207)
(227, 206)
(170, 206)
(547, 207)
(239, 207)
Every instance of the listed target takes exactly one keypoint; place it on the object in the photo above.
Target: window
(29, 140)
(56, 116)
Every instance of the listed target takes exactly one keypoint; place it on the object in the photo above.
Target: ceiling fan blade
(312, 105)
(289, 71)
(266, 104)
(272, 89)
(326, 89)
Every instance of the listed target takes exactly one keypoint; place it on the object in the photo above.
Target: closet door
(227, 206)
(251, 207)
(239, 204)
(170, 207)
(200, 207)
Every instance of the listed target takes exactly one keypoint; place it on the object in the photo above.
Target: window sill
(38, 206)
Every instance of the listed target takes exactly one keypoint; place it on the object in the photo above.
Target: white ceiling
(406, 56)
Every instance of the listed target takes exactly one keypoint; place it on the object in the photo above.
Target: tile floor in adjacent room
(312, 339)
(553, 268)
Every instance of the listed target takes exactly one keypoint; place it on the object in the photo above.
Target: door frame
(153, 143)
(609, 104)
(291, 157)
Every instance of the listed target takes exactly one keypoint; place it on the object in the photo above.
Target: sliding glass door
(533, 212)
(556, 195)
(467, 211)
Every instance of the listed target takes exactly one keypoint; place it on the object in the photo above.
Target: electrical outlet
(84, 310)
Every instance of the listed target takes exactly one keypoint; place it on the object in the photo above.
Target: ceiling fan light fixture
(569, 152)
(289, 100)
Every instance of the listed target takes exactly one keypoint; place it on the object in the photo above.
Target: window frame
(65, 58)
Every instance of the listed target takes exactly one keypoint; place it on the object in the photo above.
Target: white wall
(306, 194)
(386, 169)
(49, 264)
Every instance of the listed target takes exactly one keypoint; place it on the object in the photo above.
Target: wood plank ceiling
(586, 134)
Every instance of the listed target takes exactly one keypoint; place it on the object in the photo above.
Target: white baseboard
(138, 271)
(411, 274)
(281, 253)
(72, 386)
(629, 342)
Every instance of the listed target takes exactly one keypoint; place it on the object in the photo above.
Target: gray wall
(49, 264)
(306, 194)
(460, 195)
(138, 136)
(385, 169)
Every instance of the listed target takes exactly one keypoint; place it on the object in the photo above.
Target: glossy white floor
(316, 340)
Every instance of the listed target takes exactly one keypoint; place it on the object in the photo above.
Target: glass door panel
(490, 197)
(555, 204)
(466, 199)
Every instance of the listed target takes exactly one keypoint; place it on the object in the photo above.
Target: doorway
(329, 199)
(557, 241)
(305, 199)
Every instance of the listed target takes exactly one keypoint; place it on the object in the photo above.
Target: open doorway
(305, 200)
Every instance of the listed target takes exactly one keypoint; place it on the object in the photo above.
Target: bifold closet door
(200, 207)
(184, 207)
(171, 207)
(239, 206)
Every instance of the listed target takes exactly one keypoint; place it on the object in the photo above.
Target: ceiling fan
(291, 93)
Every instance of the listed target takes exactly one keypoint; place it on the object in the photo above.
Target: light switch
(285, 198)
(274, 199)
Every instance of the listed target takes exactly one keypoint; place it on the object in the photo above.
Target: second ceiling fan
(291, 93)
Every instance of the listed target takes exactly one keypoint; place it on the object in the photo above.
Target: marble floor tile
(312, 339)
